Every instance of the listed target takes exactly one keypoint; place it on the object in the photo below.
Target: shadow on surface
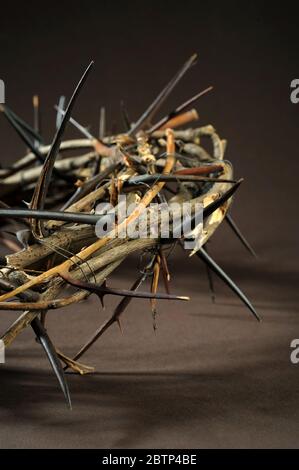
(134, 407)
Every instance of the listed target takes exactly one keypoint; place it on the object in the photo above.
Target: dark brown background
(210, 376)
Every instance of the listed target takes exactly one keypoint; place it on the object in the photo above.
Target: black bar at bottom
(135, 458)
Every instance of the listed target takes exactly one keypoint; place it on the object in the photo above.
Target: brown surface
(211, 376)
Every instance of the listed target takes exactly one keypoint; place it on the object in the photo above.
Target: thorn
(22, 133)
(28, 142)
(119, 325)
(180, 109)
(219, 202)
(211, 282)
(101, 297)
(208, 210)
(49, 349)
(232, 224)
(147, 116)
(102, 290)
(26, 127)
(43, 182)
(226, 279)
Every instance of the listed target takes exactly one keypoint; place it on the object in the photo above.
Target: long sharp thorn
(211, 282)
(207, 211)
(119, 325)
(49, 215)
(28, 142)
(146, 117)
(50, 160)
(232, 224)
(104, 290)
(192, 100)
(222, 199)
(50, 351)
(26, 127)
(22, 134)
(227, 280)
(41, 190)
(180, 109)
